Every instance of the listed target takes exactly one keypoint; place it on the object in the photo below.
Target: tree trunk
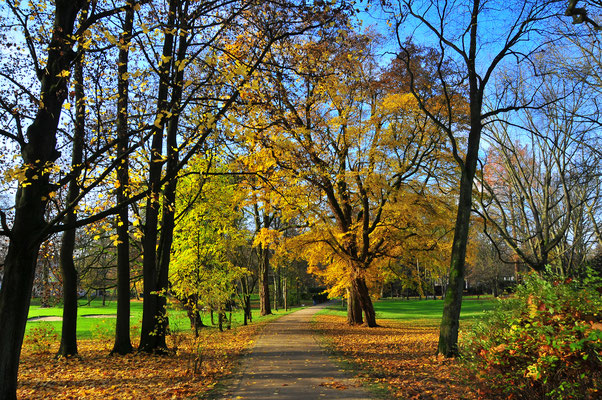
(279, 294)
(161, 323)
(285, 294)
(246, 300)
(363, 294)
(264, 283)
(197, 322)
(152, 338)
(19, 270)
(68, 345)
(450, 323)
(276, 285)
(354, 308)
(248, 308)
(45, 297)
(228, 308)
(31, 200)
(123, 344)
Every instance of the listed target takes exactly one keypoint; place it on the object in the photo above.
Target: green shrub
(545, 342)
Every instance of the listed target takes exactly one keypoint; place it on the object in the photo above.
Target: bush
(545, 342)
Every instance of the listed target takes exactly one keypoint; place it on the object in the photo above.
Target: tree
(472, 53)
(576, 59)
(69, 327)
(538, 182)
(208, 229)
(155, 270)
(38, 150)
(264, 237)
(491, 266)
(223, 62)
(50, 61)
(123, 343)
(343, 150)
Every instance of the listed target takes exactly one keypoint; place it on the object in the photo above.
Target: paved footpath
(287, 363)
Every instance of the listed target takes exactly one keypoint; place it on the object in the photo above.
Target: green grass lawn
(429, 311)
(91, 328)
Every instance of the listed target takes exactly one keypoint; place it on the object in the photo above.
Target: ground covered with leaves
(399, 357)
(192, 370)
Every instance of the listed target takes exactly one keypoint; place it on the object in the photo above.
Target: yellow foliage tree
(346, 153)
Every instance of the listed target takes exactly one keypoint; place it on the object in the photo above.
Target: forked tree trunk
(359, 284)
(246, 301)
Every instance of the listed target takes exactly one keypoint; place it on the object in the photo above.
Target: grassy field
(429, 311)
(91, 324)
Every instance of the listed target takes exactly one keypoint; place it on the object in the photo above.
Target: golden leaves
(398, 356)
(265, 237)
(110, 37)
(400, 101)
(97, 375)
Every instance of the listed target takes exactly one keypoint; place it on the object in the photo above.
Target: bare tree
(474, 39)
(541, 179)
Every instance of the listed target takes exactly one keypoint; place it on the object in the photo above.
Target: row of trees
(181, 125)
(135, 90)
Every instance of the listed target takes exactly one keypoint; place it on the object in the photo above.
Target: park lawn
(192, 369)
(398, 356)
(428, 311)
(91, 324)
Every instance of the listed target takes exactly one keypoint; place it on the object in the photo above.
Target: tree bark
(276, 288)
(152, 338)
(123, 343)
(263, 253)
(246, 300)
(264, 282)
(285, 294)
(247, 309)
(354, 308)
(68, 345)
(363, 296)
(31, 199)
(450, 323)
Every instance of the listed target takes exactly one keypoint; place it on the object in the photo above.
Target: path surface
(287, 363)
